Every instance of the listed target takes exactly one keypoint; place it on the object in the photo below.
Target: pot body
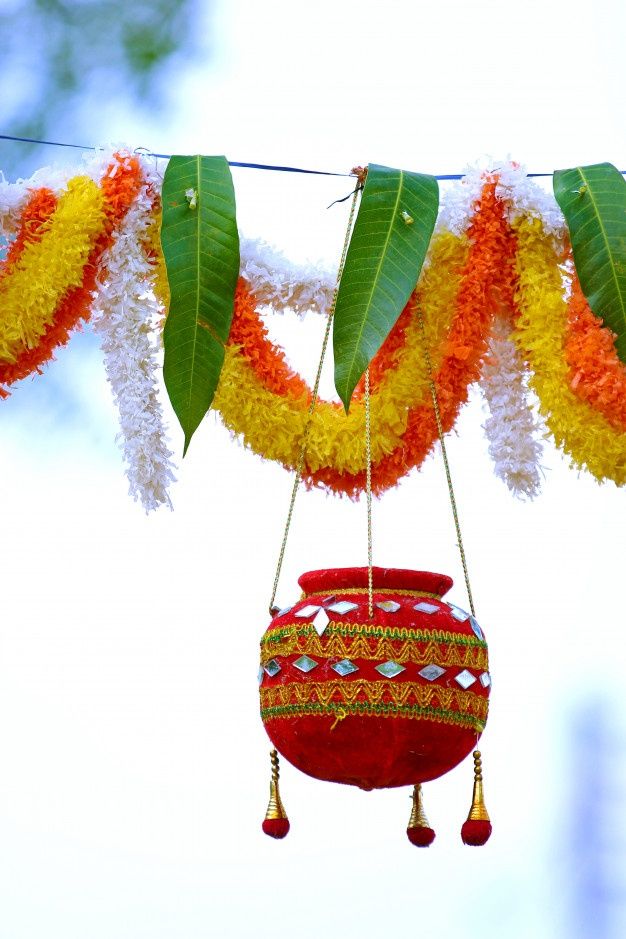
(390, 701)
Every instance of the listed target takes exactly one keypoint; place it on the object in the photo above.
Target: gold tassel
(477, 829)
(418, 830)
(276, 823)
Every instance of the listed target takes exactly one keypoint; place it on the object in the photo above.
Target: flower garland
(49, 266)
(510, 428)
(592, 441)
(77, 243)
(263, 401)
(50, 273)
(598, 374)
(125, 313)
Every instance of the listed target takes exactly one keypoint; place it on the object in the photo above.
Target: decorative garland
(125, 314)
(260, 397)
(598, 375)
(511, 428)
(84, 252)
(87, 244)
(542, 333)
(47, 289)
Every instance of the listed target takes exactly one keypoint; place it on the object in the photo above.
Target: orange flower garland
(487, 283)
(119, 187)
(598, 376)
(35, 214)
(469, 278)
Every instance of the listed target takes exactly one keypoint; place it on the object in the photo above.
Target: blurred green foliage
(62, 62)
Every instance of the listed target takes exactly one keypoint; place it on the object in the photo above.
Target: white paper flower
(511, 429)
(126, 315)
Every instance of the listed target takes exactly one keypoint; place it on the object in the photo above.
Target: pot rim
(385, 579)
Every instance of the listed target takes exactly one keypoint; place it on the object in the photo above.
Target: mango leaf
(391, 236)
(201, 249)
(593, 200)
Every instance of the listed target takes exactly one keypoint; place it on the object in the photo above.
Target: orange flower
(120, 185)
(598, 376)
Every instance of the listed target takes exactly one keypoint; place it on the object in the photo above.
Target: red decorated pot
(392, 701)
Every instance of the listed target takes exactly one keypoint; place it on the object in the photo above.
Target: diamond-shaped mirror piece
(285, 609)
(272, 668)
(458, 613)
(431, 672)
(261, 673)
(328, 600)
(305, 664)
(389, 606)
(307, 612)
(424, 607)
(390, 669)
(345, 667)
(485, 680)
(321, 621)
(465, 678)
(344, 606)
(477, 630)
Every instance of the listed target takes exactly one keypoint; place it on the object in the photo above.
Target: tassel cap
(276, 823)
(418, 830)
(477, 829)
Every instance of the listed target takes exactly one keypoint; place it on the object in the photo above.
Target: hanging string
(368, 477)
(444, 453)
(360, 173)
(442, 177)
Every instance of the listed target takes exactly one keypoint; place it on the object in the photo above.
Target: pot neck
(385, 580)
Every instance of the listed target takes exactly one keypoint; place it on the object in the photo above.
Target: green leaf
(391, 236)
(201, 250)
(593, 200)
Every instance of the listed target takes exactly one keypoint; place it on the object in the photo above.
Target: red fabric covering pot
(392, 701)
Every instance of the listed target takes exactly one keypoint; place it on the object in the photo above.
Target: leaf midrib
(357, 342)
(606, 242)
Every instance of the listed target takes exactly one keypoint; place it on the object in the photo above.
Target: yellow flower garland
(273, 425)
(49, 268)
(541, 330)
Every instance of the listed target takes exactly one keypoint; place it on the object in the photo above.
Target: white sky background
(134, 767)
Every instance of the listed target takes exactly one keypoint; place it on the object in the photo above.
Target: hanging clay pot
(395, 700)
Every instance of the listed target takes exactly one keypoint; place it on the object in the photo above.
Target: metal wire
(368, 471)
(314, 397)
(444, 453)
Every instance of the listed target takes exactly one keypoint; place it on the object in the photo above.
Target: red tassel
(420, 836)
(419, 831)
(475, 833)
(275, 823)
(477, 828)
(276, 827)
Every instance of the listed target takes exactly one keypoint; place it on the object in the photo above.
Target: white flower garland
(126, 315)
(277, 283)
(511, 428)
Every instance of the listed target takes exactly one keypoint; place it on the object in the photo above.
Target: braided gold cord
(314, 397)
(368, 451)
(444, 453)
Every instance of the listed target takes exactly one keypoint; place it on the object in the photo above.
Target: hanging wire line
(444, 453)
(442, 177)
(368, 456)
(314, 396)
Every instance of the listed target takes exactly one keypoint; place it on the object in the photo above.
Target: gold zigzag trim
(373, 631)
(428, 650)
(341, 711)
(402, 694)
(363, 591)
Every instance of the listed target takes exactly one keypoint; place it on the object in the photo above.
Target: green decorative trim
(365, 630)
(360, 708)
